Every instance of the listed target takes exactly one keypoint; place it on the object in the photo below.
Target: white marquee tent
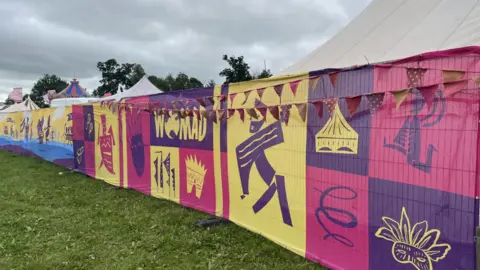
(392, 29)
(26, 105)
(142, 88)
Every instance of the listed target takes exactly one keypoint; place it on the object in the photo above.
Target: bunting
(312, 83)
(201, 101)
(275, 112)
(213, 116)
(260, 92)
(212, 100)
(383, 71)
(476, 80)
(451, 88)
(375, 101)
(247, 93)
(232, 98)
(353, 103)
(231, 112)
(294, 87)
(302, 110)
(400, 97)
(318, 108)
(331, 103)
(241, 113)
(204, 113)
(252, 112)
(333, 78)
(285, 113)
(278, 89)
(221, 114)
(452, 75)
(263, 112)
(197, 113)
(415, 77)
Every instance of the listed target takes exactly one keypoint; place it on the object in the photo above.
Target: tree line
(117, 76)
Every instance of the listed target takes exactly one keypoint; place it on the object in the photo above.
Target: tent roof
(142, 88)
(391, 29)
(73, 90)
(26, 105)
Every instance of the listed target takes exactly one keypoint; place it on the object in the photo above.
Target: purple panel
(89, 123)
(349, 163)
(174, 129)
(79, 156)
(448, 215)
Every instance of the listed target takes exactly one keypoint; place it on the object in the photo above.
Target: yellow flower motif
(417, 246)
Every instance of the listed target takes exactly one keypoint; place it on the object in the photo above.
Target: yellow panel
(165, 173)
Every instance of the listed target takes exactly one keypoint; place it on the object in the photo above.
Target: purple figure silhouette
(252, 151)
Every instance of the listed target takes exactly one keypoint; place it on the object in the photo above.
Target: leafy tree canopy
(45, 83)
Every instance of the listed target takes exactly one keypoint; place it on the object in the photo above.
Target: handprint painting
(413, 244)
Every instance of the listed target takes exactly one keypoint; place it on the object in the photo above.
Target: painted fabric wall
(376, 164)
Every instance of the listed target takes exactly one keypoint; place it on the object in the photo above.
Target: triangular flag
(452, 75)
(318, 108)
(252, 112)
(212, 100)
(428, 93)
(383, 70)
(331, 102)
(213, 116)
(174, 103)
(353, 103)
(451, 88)
(333, 78)
(415, 77)
(189, 112)
(260, 92)
(294, 87)
(375, 101)
(221, 114)
(231, 112)
(247, 93)
(275, 112)
(263, 112)
(312, 83)
(201, 101)
(285, 113)
(204, 113)
(400, 97)
(476, 80)
(197, 113)
(278, 89)
(232, 97)
(241, 112)
(223, 98)
(302, 110)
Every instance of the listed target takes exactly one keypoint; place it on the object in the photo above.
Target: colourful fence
(368, 168)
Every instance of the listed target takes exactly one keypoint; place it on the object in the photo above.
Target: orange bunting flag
(415, 77)
(400, 97)
(247, 93)
(294, 87)
(204, 113)
(476, 80)
(212, 115)
(232, 98)
(312, 83)
(221, 114)
(333, 78)
(353, 103)
(331, 103)
(212, 100)
(302, 110)
(452, 75)
(278, 89)
(318, 108)
(263, 112)
(375, 101)
(260, 92)
(252, 113)
(201, 101)
(285, 113)
(452, 88)
(275, 112)
(231, 112)
(241, 112)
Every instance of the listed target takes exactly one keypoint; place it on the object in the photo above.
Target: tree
(9, 101)
(117, 76)
(210, 83)
(171, 83)
(262, 75)
(45, 83)
(238, 71)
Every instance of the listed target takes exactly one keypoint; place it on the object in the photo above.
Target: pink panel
(90, 158)
(337, 219)
(197, 179)
(225, 188)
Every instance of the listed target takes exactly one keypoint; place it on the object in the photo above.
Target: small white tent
(142, 88)
(393, 29)
(26, 105)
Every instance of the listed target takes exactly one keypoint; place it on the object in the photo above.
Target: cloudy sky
(66, 37)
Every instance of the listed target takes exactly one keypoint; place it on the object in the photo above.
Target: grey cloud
(63, 37)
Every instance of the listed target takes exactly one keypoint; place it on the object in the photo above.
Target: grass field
(49, 221)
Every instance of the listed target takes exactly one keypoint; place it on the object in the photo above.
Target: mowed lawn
(52, 221)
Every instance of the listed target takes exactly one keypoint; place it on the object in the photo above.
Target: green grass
(49, 221)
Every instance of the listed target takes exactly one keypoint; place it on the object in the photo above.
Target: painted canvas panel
(337, 219)
(11, 136)
(427, 145)
(266, 167)
(413, 227)
(165, 172)
(107, 143)
(174, 131)
(197, 181)
(137, 155)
